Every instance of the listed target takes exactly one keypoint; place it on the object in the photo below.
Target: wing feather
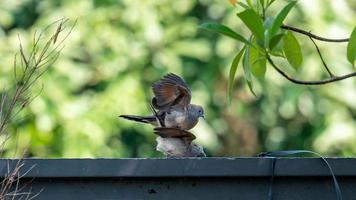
(174, 133)
(169, 91)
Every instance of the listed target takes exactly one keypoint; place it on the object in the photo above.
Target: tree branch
(297, 30)
(321, 58)
(303, 82)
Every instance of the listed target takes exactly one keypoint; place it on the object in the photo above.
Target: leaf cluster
(269, 38)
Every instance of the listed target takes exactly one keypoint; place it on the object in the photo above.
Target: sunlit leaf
(233, 68)
(292, 50)
(250, 87)
(268, 22)
(351, 47)
(247, 69)
(250, 4)
(270, 3)
(267, 25)
(257, 61)
(253, 22)
(219, 28)
(278, 54)
(280, 18)
(275, 40)
(262, 2)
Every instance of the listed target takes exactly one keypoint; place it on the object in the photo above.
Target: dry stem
(14, 99)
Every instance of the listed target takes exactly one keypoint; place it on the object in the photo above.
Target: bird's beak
(203, 117)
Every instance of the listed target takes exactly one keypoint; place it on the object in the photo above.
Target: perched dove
(175, 142)
(172, 100)
(174, 116)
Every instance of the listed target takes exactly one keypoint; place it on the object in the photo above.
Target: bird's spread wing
(174, 133)
(169, 91)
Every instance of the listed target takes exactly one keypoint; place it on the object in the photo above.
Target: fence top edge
(177, 167)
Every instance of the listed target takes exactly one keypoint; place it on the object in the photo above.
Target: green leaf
(275, 40)
(266, 25)
(247, 70)
(250, 86)
(268, 22)
(280, 18)
(351, 48)
(246, 64)
(233, 68)
(262, 2)
(251, 19)
(277, 54)
(250, 4)
(270, 3)
(292, 50)
(257, 61)
(219, 28)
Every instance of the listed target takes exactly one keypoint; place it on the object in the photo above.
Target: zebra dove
(174, 142)
(172, 100)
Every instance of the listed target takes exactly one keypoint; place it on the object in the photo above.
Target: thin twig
(39, 57)
(297, 30)
(63, 39)
(303, 82)
(322, 59)
(10, 185)
(13, 100)
(2, 105)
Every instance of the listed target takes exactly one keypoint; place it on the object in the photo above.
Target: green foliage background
(118, 48)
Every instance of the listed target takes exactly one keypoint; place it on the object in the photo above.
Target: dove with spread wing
(173, 115)
(172, 99)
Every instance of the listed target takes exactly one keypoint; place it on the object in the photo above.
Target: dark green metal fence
(195, 178)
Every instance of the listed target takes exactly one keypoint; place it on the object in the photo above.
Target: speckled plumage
(175, 147)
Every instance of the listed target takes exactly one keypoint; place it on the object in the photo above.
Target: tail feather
(142, 119)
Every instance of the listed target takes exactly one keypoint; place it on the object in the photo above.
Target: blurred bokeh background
(120, 47)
